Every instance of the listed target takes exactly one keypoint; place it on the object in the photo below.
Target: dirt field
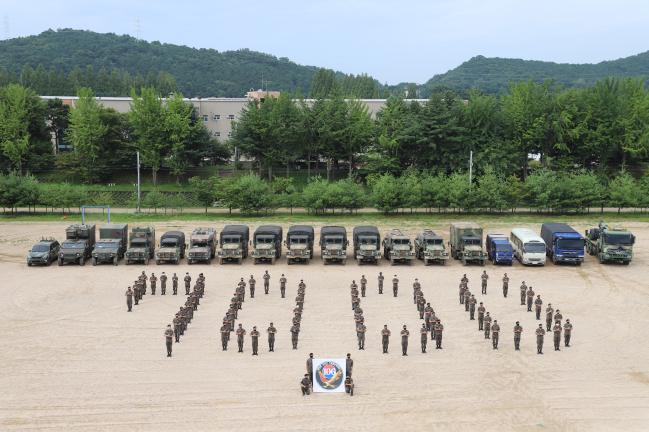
(73, 359)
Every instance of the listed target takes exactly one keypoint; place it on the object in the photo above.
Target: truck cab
(466, 243)
(141, 247)
(397, 247)
(367, 241)
(202, 245)
(499, 250)
(610, 244)
(172, 248)
(563, 243)
(267, 243)
(299, 243)
(77, 248)
(430, 248)
(233, 243)
(333, 244)
(107, 250)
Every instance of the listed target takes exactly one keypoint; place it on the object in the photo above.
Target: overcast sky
(395, 41)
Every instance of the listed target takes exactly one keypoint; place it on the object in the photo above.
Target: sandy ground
(73, 359)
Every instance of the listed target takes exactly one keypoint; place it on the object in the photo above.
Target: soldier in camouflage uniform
(188, 283)
(557, 335)
(174, 283)
(272, 331)
(266, 282)
(404, 341)
(395, 286)
(363, 285)
(538, 305)
(558, 316)
(153, 280)
(416, 288)
(463, 289)
(385, 338)
(567, 332)
(439, 332)
(540, 333)
(518, 330)
(487, 325)
(421, 305)
(169, 334)
(241, 332)
(381, 278)
(495, 334)
(254, 335)
(361, 329)
(225, 336)
(472, 303)
(549, 313)
(143, 278)
(505, 285)
(523, 293)
(428, 313)
(295, 331)
(251, 284)
(282, 285)
(484, 278)
(481, 311)
(129, 299)
(424, 338)
(530, 299)
(467, 299)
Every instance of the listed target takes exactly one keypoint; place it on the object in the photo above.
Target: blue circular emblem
(329, 375)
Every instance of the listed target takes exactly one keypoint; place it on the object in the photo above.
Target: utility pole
(470, 167)
(138, 182)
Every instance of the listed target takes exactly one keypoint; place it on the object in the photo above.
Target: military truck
(202, 245)
(172, 248)
(610, 244)
(466, 243)
(367, 241)
(397, 247)
(141, 247)
(111, 245)
(44, 252)
(299, 243)
(78, 244)
(233, 243)
(430, 248)
(267, 243)
(333, 244)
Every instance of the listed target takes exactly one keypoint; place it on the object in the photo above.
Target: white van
(529, 247)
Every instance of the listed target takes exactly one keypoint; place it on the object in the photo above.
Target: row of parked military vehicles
(557, 241)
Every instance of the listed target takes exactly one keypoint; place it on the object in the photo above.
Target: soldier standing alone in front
(517, 336)
(381, 278)
(129, 299)
(266, 282)
(254, 334)
(484, 278)
(385, 338)
(505, 285)
(169, 335)
(395, 285)
(282, 285)
(404, 341)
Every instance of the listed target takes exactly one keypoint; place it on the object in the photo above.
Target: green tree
(386, 193)
(14, 133)
(623, 191)
(147, 117)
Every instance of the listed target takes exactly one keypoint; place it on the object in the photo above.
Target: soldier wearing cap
(484, 278)
(188, 282)
(395, 285)
(254, 334)
(295, 331)
(305, 384)
(177, 326)
(567, 332)
(558, 316)
(495, 334)
(225, 336)
(282, 285)
(174, 284)
(439, 332)
(349, 365)
(540, 333)
(309, 367)
(404, 341)
(266, 282)
(129, 299)
(463, 289)
(385, 338)
(523, 293)
(428, 313)
(381, 278)
(143, 277)
(487, 325)
(467, 299)
(424, 337)
(505, 285)
(481, 311)
(153, 280)
(549, 313)
(169, 334)
(363, 285)
(271, 330)
(163, 284)
(349, 385)
(241, 332)
(251, 283)
(464, 280)
(360, 334)
(517, 336)
(530, 298)
(472, 302)
(557, 335)
(538, 304)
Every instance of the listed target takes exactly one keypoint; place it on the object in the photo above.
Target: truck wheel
(115, 261)
(391, 261)
(82, 261)
(272, 261)
(94, 261)
(157, 262)
(146, 261)
(626, 262)
(600, 259)
(29, 264)
(60, 261)
(463, 261)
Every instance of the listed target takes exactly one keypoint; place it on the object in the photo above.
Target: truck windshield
(104, 245)
(199, 243)
(401, 241)
(618, 239)
(230, 239)
(570, 244)
(367, 240)
(71, 245)
(431, 242)
(138, 243)
(265, 239)
(334, 240)
(169, 243)
(534, 247)
(298, 240)
(503, 247)
(41, 248)
(471, 241)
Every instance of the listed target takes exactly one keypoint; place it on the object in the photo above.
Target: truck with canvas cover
(333, 244)
(172, 248)
(299, 243)
(610, 244)
(267, 243)
(466, 243)
(111, 246)
(430, 248)
(499, 250)
(202, 245)
(397, 247)
(233, 243)
(367, 244)
(78, 244)
(141, 245)
(562, 243)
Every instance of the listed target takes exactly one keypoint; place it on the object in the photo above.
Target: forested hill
(197, 72)
(493, 75)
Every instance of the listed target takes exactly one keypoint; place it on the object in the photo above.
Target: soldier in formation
(363, 285)
(428, 314)
(272, 331)
(381, 278)
(523, 293)
(169, 334)
(540, 334)
(439, 332)
(254, 335)
(349, 365)
(266, 282)
(309, 367)
(282, 285)
(416, 288)
(481, 312)
(549, 314)
(143, 278)
(129, 299)
(305, 385)
(163, 284)
(385, 338)
(174, 284)
(557, 335)
(153, 280)
(530, 299)
(295, 332)
(538, 305)
(505, 285)
(177, 322)
(487, 325)
(395, 286)
(484, 278)
(188, 283)
(518, 330)
(467, 299)
(251, 284)
(225, 335)
(495, 334)
(404, 341)
(567, 332)
(424, 338)
(472, 303)
(463, 289)
(241, 332)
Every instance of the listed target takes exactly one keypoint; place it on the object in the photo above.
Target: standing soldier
(416, 288)
(163, 284)
(549, 313)
(143, 278)
(487, 325)
(538, 304)
(309, 367)
(567, 332)
(530, 299)
(271, 330)
(481, 311)
(266, 282)
(439, 331)
(463, 289)
(421, 304)
(428, 313)
(381, 278)
(363, 285)
(282, 285)
(241, 332)
(136, 292)
(464, 280)
(301, 285)
(177, 326)
(174, 283)
(424, 338)
(360, 334)
(395, 285)
(472, 303)
(349, 365)
(495, 334)
(540, 333)
(225, 336)
(484, 278)
(385, 338)
(523, 293)
(467, 299)
(188, 281)
(557, 334)
(558, 316)
(169, 334)
(505, 285)
(129, 299)
(404, 341)
(251, 283)
(153, 281)
(295, 331)
(254, 334)
(517, 336)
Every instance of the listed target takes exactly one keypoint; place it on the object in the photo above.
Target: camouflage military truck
(333, 244)
(172, 248)
(367, 241)
(44, 252)
(202, 246)
(610, 244)
(267, 243)
(78, 244)
(466, 243)
(299, 243)
(141, 246)
(111, 246)
(397, 247)
(233, 243)
(430, 248)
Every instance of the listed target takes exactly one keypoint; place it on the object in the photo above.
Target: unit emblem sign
(328, 375)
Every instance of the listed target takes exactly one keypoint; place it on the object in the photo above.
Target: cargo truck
(141, 245)
(610, 244)
(367, 240)
(499, 250)
(430, 248)
(562, 243)
(466, 243)
(333, 244)
(78, 244)
(172, 248)
(267, 243)
(233, 243)
(299, 243)
(111, 246)
(397, 247)
(202, 246)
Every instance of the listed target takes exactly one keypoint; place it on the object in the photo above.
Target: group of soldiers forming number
(236, 303)
(138, 290)
(491, 328)
(306, 383)
(186, 313)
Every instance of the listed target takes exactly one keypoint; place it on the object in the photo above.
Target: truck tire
(391, 261)
(272, 261)
(29, 264)
(82, 261)
(146, 261)
(115, 261)
(157, 262)
(94, 261)
(626, 262)
(463, 261)
(60, 261)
